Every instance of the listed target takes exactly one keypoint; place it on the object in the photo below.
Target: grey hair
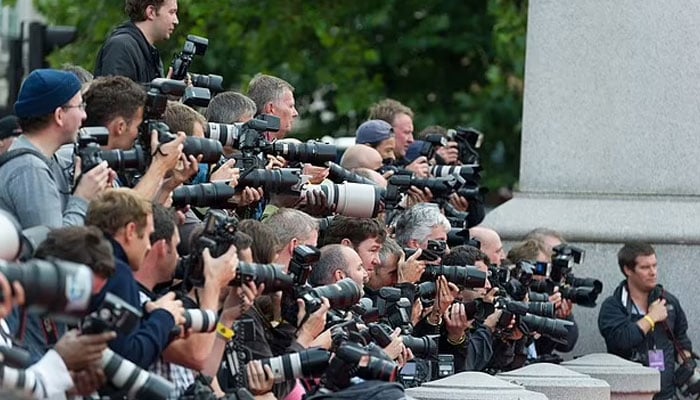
(418, 222)
(389, 248)
(332, 259)
(288, 223)
(230, 107)
(542, 233)
(263, 89)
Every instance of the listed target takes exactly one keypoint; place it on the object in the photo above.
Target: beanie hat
(373, 131)
(9, 127)
(44, 90)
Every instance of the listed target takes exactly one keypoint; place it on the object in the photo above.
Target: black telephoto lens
(341, 295)
(210, 150)
(557, 329)
(583, 296)
(273, 277)
(541, 308)
(278, 181)
(310, 363)
(422, 347)
(215, 195)
(312, 152)
(468, 277)
(120, 160)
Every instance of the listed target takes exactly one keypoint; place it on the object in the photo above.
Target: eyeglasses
(80, 106)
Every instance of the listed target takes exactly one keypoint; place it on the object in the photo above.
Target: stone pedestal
(472, 386)
(610, 151)
(557, 382)
(627, 380)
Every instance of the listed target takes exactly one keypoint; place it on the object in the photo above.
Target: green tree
(454, 63)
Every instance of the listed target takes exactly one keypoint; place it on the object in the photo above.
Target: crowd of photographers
(164, 238)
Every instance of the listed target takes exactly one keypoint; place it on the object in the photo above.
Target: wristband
(225, 332)
(650, 321)
(458, 341)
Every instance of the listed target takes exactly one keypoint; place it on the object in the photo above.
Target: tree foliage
(453, 62)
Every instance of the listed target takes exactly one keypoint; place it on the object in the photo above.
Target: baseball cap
(373, 131)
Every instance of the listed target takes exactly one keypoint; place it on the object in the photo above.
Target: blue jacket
(147, 342)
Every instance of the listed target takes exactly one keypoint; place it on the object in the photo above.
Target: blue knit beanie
(44, 90)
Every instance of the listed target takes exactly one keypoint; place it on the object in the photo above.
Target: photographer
(37, 187)
(533, 250)
(338, 262)
(127, 220)
(292, 228)
(364, 235)
(230, 107)
(643, 322)
(360, 156)
(490, 243)
(379, 135)
(401, 119)
(477, 350)
(117, 103)
(182, 358)
(274, 96)
(130, 49)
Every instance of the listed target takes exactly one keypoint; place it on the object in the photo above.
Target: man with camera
(117, 103)
(643, 322)
(127, 220)
(490, 243)
(130, 49)
(38, 186)
(274, 96)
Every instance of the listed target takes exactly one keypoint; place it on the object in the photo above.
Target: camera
(687, 378)
(302, 262)
(195, 46)
(422, 347)
(114, 314)
(351, 359)
(58, 287)
(468, 172)
(342, 295)
(352, 199)
(156, 103)
(310, 363)
(138, 383)
(469, 140)
(468, 277)
(218, 236)
(88, 147)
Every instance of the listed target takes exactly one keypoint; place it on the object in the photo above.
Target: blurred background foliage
(455, 63)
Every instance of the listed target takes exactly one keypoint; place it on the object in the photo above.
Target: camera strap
(5, 158)
(676, 344)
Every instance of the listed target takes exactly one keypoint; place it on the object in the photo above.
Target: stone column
(610, 146)
(472, 386)
(557, 382)
(628, 380)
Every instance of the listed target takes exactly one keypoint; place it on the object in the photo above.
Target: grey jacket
(37, 191)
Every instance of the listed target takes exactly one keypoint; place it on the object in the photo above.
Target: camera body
(114, 314)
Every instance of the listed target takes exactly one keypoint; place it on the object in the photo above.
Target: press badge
(656, 359)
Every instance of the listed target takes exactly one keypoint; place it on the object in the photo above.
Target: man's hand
(226, 173)
(410, 270)
(82, 351)
(316, 174)
(260, 378)
(459, 202)
(169, 304)
(449, 153)
(185, 170)
(314, 203)
(92, 183)
(247, 196)
(314, 325)
(565, 309)
(221, 270)
(239, 300)
(274, 162)
(166, 155)
(492, 320)
(419, 167)
(11, 297)
(446, 292)
(87, 381)
(658, 311)
(456, 322)
(417, 196)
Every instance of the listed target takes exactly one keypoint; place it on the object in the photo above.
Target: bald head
(361, 156)
(373, 175)
(490, 243)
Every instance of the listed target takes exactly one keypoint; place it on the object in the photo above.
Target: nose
(487, 285)
(295, 113)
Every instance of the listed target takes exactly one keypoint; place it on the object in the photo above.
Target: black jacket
(127, 53)
(617, 322)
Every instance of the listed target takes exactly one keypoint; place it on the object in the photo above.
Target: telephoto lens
(353, 199)
(215, 195)
(468, 277)
(273, 277)
(338, 174)
(311, 152)
(138, 383)
(226, 134)
(555, 329)
(56, 286)
(341, 295)
(310, 363)
(278, 181)
(210, 150)
(200, 321)
(469, 172)
(541, 308)
(120, 160)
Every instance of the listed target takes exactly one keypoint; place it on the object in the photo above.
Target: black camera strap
(5, 158)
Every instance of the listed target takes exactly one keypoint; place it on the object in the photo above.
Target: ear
(161, 248)
(58, 116)
(338, 275)
(117, 126)
(151, 12)
(130, 232)
(292, 245)
(346, 242)
(269, 108)
(627, 271)
(414, 244)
